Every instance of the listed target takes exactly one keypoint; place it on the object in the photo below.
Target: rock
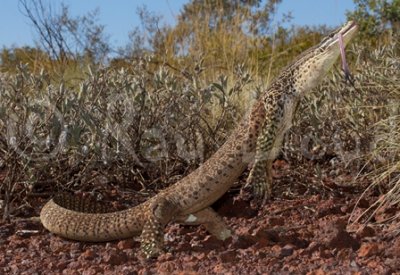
(243, 241)
(167, 267)
(266, 237)
(219, 269)
(287, 250)
(115, 258)
(394, 248)
(93, 271)
(317, 272)
(368, 249)
(366, 231)
(276, 221)
(70, 272)
(335, 236)
(342, 239)
(363, 203)
(325, 253)
(88, 254)
(329, 207)
(56, 245)
(61, 265)
(312, 247)
(127, 244)
(228, 256)
(211, 242)
(74, 265)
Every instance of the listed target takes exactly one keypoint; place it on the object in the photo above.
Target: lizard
(257, 138)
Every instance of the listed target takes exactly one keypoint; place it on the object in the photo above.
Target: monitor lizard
(257, 138)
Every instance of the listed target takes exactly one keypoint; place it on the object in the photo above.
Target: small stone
(56, 245)
(275, 249)
(243, 241)
(312, 247)
(354, 264)
(334, 235)
(93, 270)
(368, 249)
(115, 258)
(395, 248)
(366, 231)
(70, 272)
(276, 221)
(228, 256)
(287, 250)
(219, 269)
(89, 254)
(74, 265)
(167, 256)
(342, 239)
(344, 254)
(61, 265)
(126, 244)
(266, 237)
(211, 242)
(363, 203)
(325, 253)
(167, 267)
(200, 256)
(317, 272)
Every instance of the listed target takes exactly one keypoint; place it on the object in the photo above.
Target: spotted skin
(258, 137)
(160, 213)
(281, 102)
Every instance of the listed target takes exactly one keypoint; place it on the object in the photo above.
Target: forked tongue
(345, 67)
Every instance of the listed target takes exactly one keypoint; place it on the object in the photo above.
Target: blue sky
(119, 16)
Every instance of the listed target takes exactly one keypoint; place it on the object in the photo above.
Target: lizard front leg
(160, 212)
(213, 223)
(260, 177)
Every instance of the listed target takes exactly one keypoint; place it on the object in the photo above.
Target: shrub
(142, 125)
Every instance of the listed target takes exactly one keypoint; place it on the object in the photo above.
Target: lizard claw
(151, 251)
(256, 189)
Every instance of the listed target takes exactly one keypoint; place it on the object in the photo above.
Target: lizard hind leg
(160, 212)
(213, 223)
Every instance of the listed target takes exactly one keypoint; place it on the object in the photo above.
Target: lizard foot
(152, 240)
(214, 224)
(160, 213)
(150, 250)
(257, 189)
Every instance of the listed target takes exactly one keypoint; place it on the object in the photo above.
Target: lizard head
(311, 66)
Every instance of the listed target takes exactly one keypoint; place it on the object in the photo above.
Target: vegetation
(377, 19)
(69, 119)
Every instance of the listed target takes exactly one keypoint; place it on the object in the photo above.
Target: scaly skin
(258, 137)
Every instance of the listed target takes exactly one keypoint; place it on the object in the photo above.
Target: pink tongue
(345, 67)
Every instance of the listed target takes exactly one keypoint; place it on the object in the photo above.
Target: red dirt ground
(303, 230)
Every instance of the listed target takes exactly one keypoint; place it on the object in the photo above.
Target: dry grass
(384, 157)
(355, 128)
